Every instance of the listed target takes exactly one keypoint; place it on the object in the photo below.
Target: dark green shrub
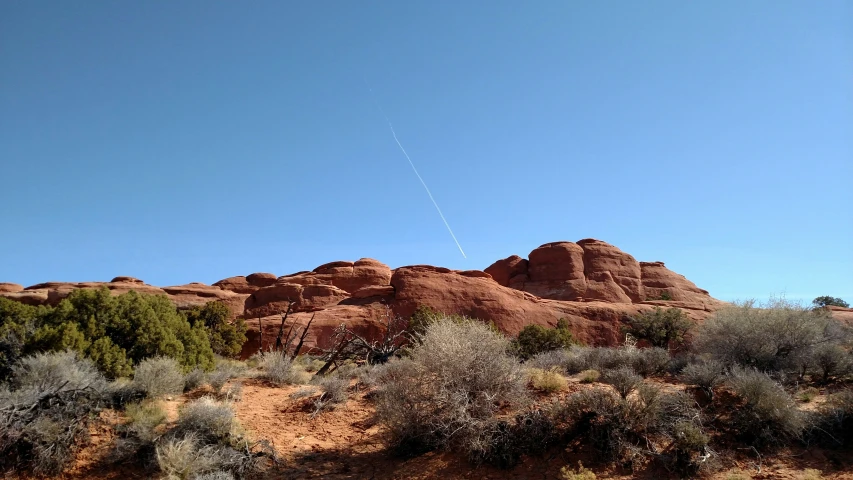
(110, 358)
(826, 301)
(536, 339)
(226, 339)
(661, 328)
(115, 331)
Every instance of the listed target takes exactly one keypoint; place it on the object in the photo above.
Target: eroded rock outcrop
(590, 283)
(592, 270)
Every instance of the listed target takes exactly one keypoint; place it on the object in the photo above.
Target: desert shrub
(826, 301)
(808, 394)
(770, 337)
(194, 379)
(835, 419)
(552, 359)
(234, 392)
(536, 339)
(831, 360)
(624, 429)
(548, 381)
(186, 457)
(503, 442)
(143, 420)
(44, 419)
(661, 328)
(57, 371)
(706, 374)
(609, 358)
(447, 391)
(226, 338)
(623, 380)
(212, 421)
(590, 376)
(217, 379)
(770, 415)
(159, 376)
(582, 473)
(310, 363)
(679, 362)
(280, 370)
(650, 361)
(334, 389)
(218, 475)
(424, 316)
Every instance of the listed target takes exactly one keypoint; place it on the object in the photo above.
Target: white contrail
(415, 170)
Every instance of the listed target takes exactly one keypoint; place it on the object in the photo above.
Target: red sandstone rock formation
(592, 284)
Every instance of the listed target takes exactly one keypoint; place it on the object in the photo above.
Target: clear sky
(196, 140)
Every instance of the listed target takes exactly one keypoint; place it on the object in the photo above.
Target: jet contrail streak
(416, 171)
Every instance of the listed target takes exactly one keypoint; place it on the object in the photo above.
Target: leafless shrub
(446, 393)
(650, 361)
(623, 379)
(706, 375)
(159, 376)
(770, 415)
(349, 346)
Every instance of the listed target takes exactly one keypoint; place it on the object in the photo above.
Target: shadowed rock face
(590, 283)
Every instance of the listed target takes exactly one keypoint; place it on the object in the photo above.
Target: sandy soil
(346, 443)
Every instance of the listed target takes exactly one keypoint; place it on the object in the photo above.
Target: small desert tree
(660, 327)
(826, 301)
(226, 338)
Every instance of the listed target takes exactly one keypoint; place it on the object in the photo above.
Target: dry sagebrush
(447, 392)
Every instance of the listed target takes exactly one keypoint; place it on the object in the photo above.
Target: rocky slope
(590, 283)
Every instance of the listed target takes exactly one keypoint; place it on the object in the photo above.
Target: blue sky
(195, 140)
